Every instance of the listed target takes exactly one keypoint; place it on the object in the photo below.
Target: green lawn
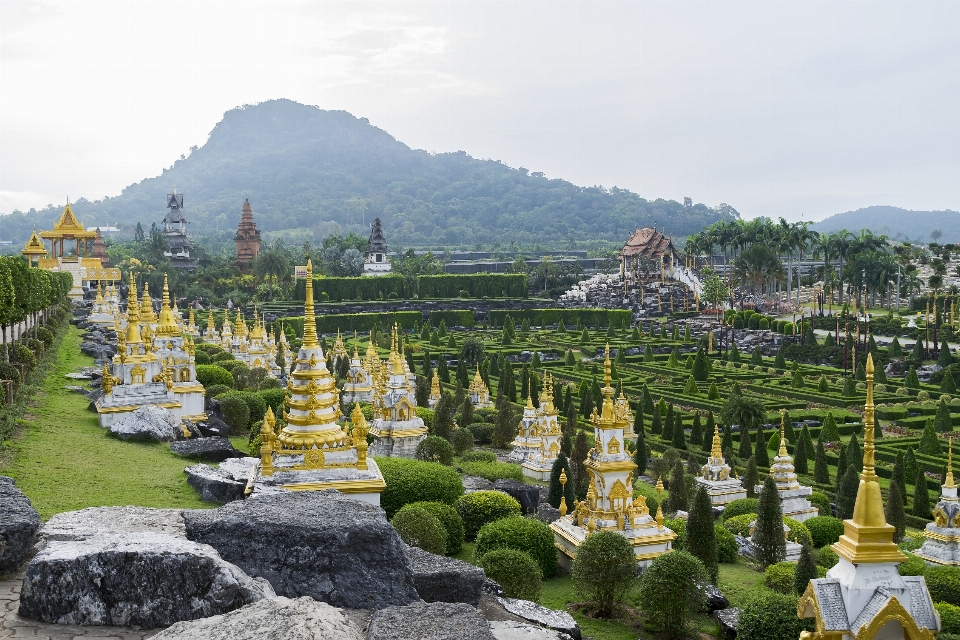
(740, 583)
(63, 461)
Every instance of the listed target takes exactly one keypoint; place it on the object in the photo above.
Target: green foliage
(671, 592)
(236, 413)
(942, 422)
(603, 571)
(751, 477)
(829, 432)
(414, 481)
(894, 510)
(493, 471)
(419, 528)
(798, 531)
(767, 538)
(914, 566)
(944, 583)
(515, 571)
(740, 507)
(779, 577)
(209, 375)
(523, 534)
(824, 530)
(771, 616)
(701, 539)
(806, 571)
(448, 517)
(482, 507)
(740, 525)
(827, 557)
(435, 449)
(949, 619)
(929, 442)
(921, 496)
(911, 381)
(727, 548)
(558, 490)
(482, 432)
(462, 440)
(479, 456)
(847, 492)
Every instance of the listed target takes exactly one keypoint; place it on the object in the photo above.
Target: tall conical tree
(821, 472)
(647, 400)
(679, 500)
(895, 511)
(746, 446)
(696, 431)
(921, 496)
(898, 474)
(768, 540)
(701, 536)
(727, 446)
(679, 437)
(847, 495)
(800, 458)
(942, 422)
(805, 572)
(807, 442)
(929, 443)
(640, 455)
(558, 489)
(854, 453)
(751, 478)
(668, 424)
(569, 430)
(656, 425)
(760, 450)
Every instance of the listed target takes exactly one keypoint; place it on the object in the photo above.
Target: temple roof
(376, 243)
(648, 243)
(175, 204)
(34, 247)
(68, 226)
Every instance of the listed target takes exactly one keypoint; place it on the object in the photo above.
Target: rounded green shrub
(232, 366)
(523, 534)
(236, 413)
(450, 520)
(914, 566)
(270, 384)
(671, 592)
(779, 577)
(739, 525)
(944, 584)
(727, 549)
(211, 374)
(462, 440)
(221, 356)
(202, 357)
(679, 527)
(414, 481)
(771, 616)
(435, 449)
(824, 530)
(274, 399)
(603, 571)
(820, 500)
(480, 507)
(478, 456)
(827, 557)
(482, 432)
(256, 404)
(493, 471)
(741, 506)
(949, 618)
(24, 355)
(10, 372)
(45, 336)
(515, 571)
(419, 528)
(798, 531)
(216, 390)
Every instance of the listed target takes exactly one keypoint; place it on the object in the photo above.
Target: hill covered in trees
(897, 223)
(327, 171)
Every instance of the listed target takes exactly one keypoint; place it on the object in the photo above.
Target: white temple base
(364, 485)
(391, 447)
(128, 398)
(723, 492)
(523, 450)
(797, 507)
(537, 469)
(647, 542)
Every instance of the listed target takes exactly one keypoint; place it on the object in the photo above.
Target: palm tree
(271, 264)
(742, 410)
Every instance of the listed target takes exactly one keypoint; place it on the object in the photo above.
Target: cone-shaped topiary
(746, 446)
(679, 437)
(948, 385)
(854, 453)
(558, 490)
(796, 381)
(648, 354)
(909, 465)
(714, 392)
(678, 488)
(780, 362)
(929, 443)
(895, 350)
(701, 537)
(829, 432)
(701, 366)
(898, 475)
(849, 387)
(919, 353)
(668, 423)
(911, 381)
(734, 354)
(751, 478)
(760, 450)
(800, 458)
(821, 472)
(696, 430)
(756, 358)
(847, 495)
(807, 442)
(943, 423)
(921, 496)
(805, 572)
(822, 385)
(656, 425)
(895, 512)
(945, 359)
(769, 543)
(640, 455)
(691, 389)
(861, 373)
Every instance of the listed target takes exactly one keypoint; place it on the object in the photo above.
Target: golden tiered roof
(34, 246)
(167, 325)
(146, 306)
(67, 227)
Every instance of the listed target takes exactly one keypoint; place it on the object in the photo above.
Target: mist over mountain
(897, 223)
(314, 172)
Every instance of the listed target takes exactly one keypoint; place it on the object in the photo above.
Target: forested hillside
(327, 171)
(897, 223)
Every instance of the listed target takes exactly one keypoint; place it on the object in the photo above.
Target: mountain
(318, 171)
(897, 223)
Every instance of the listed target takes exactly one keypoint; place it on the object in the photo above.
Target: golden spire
(529, 400)
(867, 538)
(210, 326)
(106, 380)
(133, 312)
(167, 324)
(948, 481)
(309, 318)
(563, 500)
(659, 489)
(783, 441)
(716, 451)
(100, 292)
(396, 363)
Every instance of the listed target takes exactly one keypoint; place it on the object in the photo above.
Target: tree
(895, 511)
(821, 472)
(603, 571)
(578, 467)
(656, 426)
(805, 572)
(854, 453)
(678, 488)
(714, 291)
(829, 432)
(696, 430)
(800, 457)
(701, 536)
(558, 490)
(443, 416)
(271, 265)
(679, 437)
(929, 443)
(943, 422)
(505, 428)
(746, 446)
(640, 455)
(898, 474)
(847, 495)
(921, 496)
(701, 366)
(751, 478)
(671, 591)
(910, 466)
(466, 412)
(742, 410)
(768, 540)
(760, 450)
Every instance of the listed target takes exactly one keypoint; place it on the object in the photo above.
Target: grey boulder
(144, 579)
(92, 521)
(546, 513)
(526, 494)
(320, 544)
(552, 619)
(19, 523)
(299, 619)
(149, 422)
(433, 621)
(727, 619)
(215, 449)
(443, 579)
(213, 484)
(474, 483)
(506, 630)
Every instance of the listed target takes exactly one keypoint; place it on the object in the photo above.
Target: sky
(778, 108)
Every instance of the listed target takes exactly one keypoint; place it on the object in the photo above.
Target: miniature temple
(942, 536)
(546, 428)
(359, 384)
(101, 313)
(653, 274)
(376, 263)
(794, 501)
(610, 504)
(863, 595)
(338, 351)
(248, 236)
(312, 452)
(396, 426)
(479, 393)
(177, 356)
(175, 229)
(434, 389)
(716, 478)
(211, 334)
(527, 442)
(33, 250)
(99, 251)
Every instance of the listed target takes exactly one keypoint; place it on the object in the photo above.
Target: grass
(740, 583)
(63, 461)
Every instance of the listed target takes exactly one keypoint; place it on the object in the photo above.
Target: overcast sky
(799, 109)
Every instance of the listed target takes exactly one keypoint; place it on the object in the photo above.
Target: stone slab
(534, 613)
(19, 523)
(523, 631)
(433, 621)
(212, 449)
(443, 579)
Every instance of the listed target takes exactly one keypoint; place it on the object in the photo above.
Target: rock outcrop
(526, 494)
(523, 631)
(143, 579)
(298, 619)
(79, 525)
(149, 422)
(19, 523)
(319, 544)
(443, 579)
(435, 620)
(215, 449)
(550, 618)
(214, 485)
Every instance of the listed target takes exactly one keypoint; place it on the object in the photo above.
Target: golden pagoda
(547, 434)
(397, 427)
(610, 504)
(358, 386)
(167, 323)
(81, 266)
(715, 476)
(312, 452)
(147, 315)
(864, 596)
(68, 228)
(942, 536)
(34, 249)
(478, 392)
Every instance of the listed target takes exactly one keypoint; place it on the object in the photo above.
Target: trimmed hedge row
(587, 317)
(362, 288)
(477, 285)
(459, 318)
(349, 322)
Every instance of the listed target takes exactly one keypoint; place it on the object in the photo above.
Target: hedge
(477, 285)
(361, 288)
(210, 374)
(349, 322)
(523, 534)
(459, 318)
(587, 317)
(482, 507)
(413, 481)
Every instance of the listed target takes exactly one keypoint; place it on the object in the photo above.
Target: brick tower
(248, 237)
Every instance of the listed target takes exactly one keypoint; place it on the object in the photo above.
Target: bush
(679, 527)
(515, 571)
(914, 566)
(779, 577)
(824, 530)
(45, 336)
(671, 591)
(210, 374)
(10, 372)
(426, 414)
(481, 507)
(414, 481)
(771, 616)
(274, 399)
(419, 528)
(493, 471)
(482, 432)
(949, 618)
(739, 525)
(944, 584)
(821, 502)
(798, 531)
(256, 404)
(236, 413)
(603, 571)
(23, 355)
(221, 356)
(523, 534)
(740, 507)
(450, 520)
(727, 549)
(435, 449)
(201, 357)
(217, 389)
(478, 456)
(462, 440)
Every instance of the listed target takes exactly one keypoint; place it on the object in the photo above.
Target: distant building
(175, 229)
(376, 263)
(248, 236)
(100, 249)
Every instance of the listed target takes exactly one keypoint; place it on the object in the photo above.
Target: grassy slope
(63, 461)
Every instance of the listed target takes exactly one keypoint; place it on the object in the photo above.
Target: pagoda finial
(782, 453)
(309, 318)
(948, 481)
(529, 400)
(607, 376)
(716, 451)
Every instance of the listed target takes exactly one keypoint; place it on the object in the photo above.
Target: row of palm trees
(753, 253)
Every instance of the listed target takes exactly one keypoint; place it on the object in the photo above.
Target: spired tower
(248, 236)
(313, 452)
(376, 263)
(863, 595)
(715, 476)
(793, 496)
(942, 544)
(175, 229)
